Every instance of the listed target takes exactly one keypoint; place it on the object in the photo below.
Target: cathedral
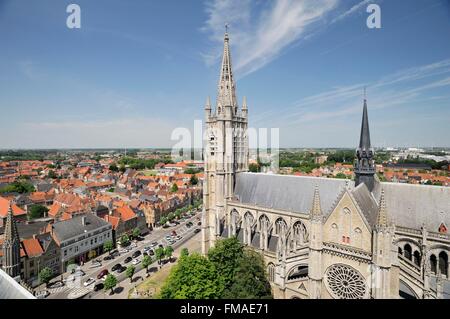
(323, 237)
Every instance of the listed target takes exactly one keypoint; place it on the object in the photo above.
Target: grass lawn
(150, 172)
(154, 283)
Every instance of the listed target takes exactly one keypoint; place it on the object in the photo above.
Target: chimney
(83, 220)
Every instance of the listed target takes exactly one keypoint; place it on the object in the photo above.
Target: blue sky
(138, 69)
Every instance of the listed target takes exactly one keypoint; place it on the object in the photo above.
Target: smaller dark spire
(364, 140)
(364, 163)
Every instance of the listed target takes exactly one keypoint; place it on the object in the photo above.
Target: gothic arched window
(408, 251)
(443, 263)
(271, 272)
(433, 264)
(417, 258)
(263, 226)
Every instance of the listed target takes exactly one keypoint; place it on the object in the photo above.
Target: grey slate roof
(287, 192)
(11, 289)
(415, 205)
(73, 227)
(366, 203)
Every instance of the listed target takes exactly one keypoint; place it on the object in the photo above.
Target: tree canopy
(36, 211)
(228, 271)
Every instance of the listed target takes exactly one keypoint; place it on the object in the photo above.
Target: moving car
(116, 266)
(127, 260)
(179, 237)
(56, 284)
(79, 273)
(42, 294)
(88, 282)
(174, 233)
(103, 273)
(197, 230)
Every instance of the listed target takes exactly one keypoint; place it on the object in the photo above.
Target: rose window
(345, 282)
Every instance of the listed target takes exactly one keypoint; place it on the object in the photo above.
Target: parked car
(116, 266)
(115, 253)
(99, 286)
(79, 273)
(121, 269)
(88, 282)
(197, 230)
(151, 252)
(103, 273)
(123, 251)
(135, 261)
(108, 257)
(179, 237)
(199, 223)
(95, 264)
(42, 294)
(133, 245)
(127, 260)
(174, 233)
(137, 253)
(154, 244)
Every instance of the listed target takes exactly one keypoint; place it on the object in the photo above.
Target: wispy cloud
(398, 88)
(352, 10)
(258, 39)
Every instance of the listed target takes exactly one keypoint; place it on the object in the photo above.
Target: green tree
(174, 188)
(254, 168)
(194, 277)
(341, 176)
(36, 211)
(113, 168)
(250, 279)
(159, 254)
(51, 174)
(110, 283)
(45, 275)
(193, 180)
(171, 216)
(136, 232)
(21, 187)
(124, 240)
(225, 256)
(146, 262)
(184, 252)
(108, 246)
(130, 272)
(168, 251)
(163, 220)
(122, 168)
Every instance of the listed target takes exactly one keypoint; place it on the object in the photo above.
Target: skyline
(126, 84)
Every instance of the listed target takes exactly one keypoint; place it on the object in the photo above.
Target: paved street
(70, 290)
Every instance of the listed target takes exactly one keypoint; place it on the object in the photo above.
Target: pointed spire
(226, 90)
(208, 104)
(244, 103)
(364, 140)
(316, 210)
(11, 245)
(382, 219)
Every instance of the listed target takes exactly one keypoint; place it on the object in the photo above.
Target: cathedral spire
(364, 139)
(364, 163)
(316, 211)
(226, 96)
(11, 246)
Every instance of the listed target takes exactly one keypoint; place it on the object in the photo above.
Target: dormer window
(443, 229)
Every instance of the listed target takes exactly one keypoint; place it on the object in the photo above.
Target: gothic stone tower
(11, 246)
(226, 150)
(364, 163)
